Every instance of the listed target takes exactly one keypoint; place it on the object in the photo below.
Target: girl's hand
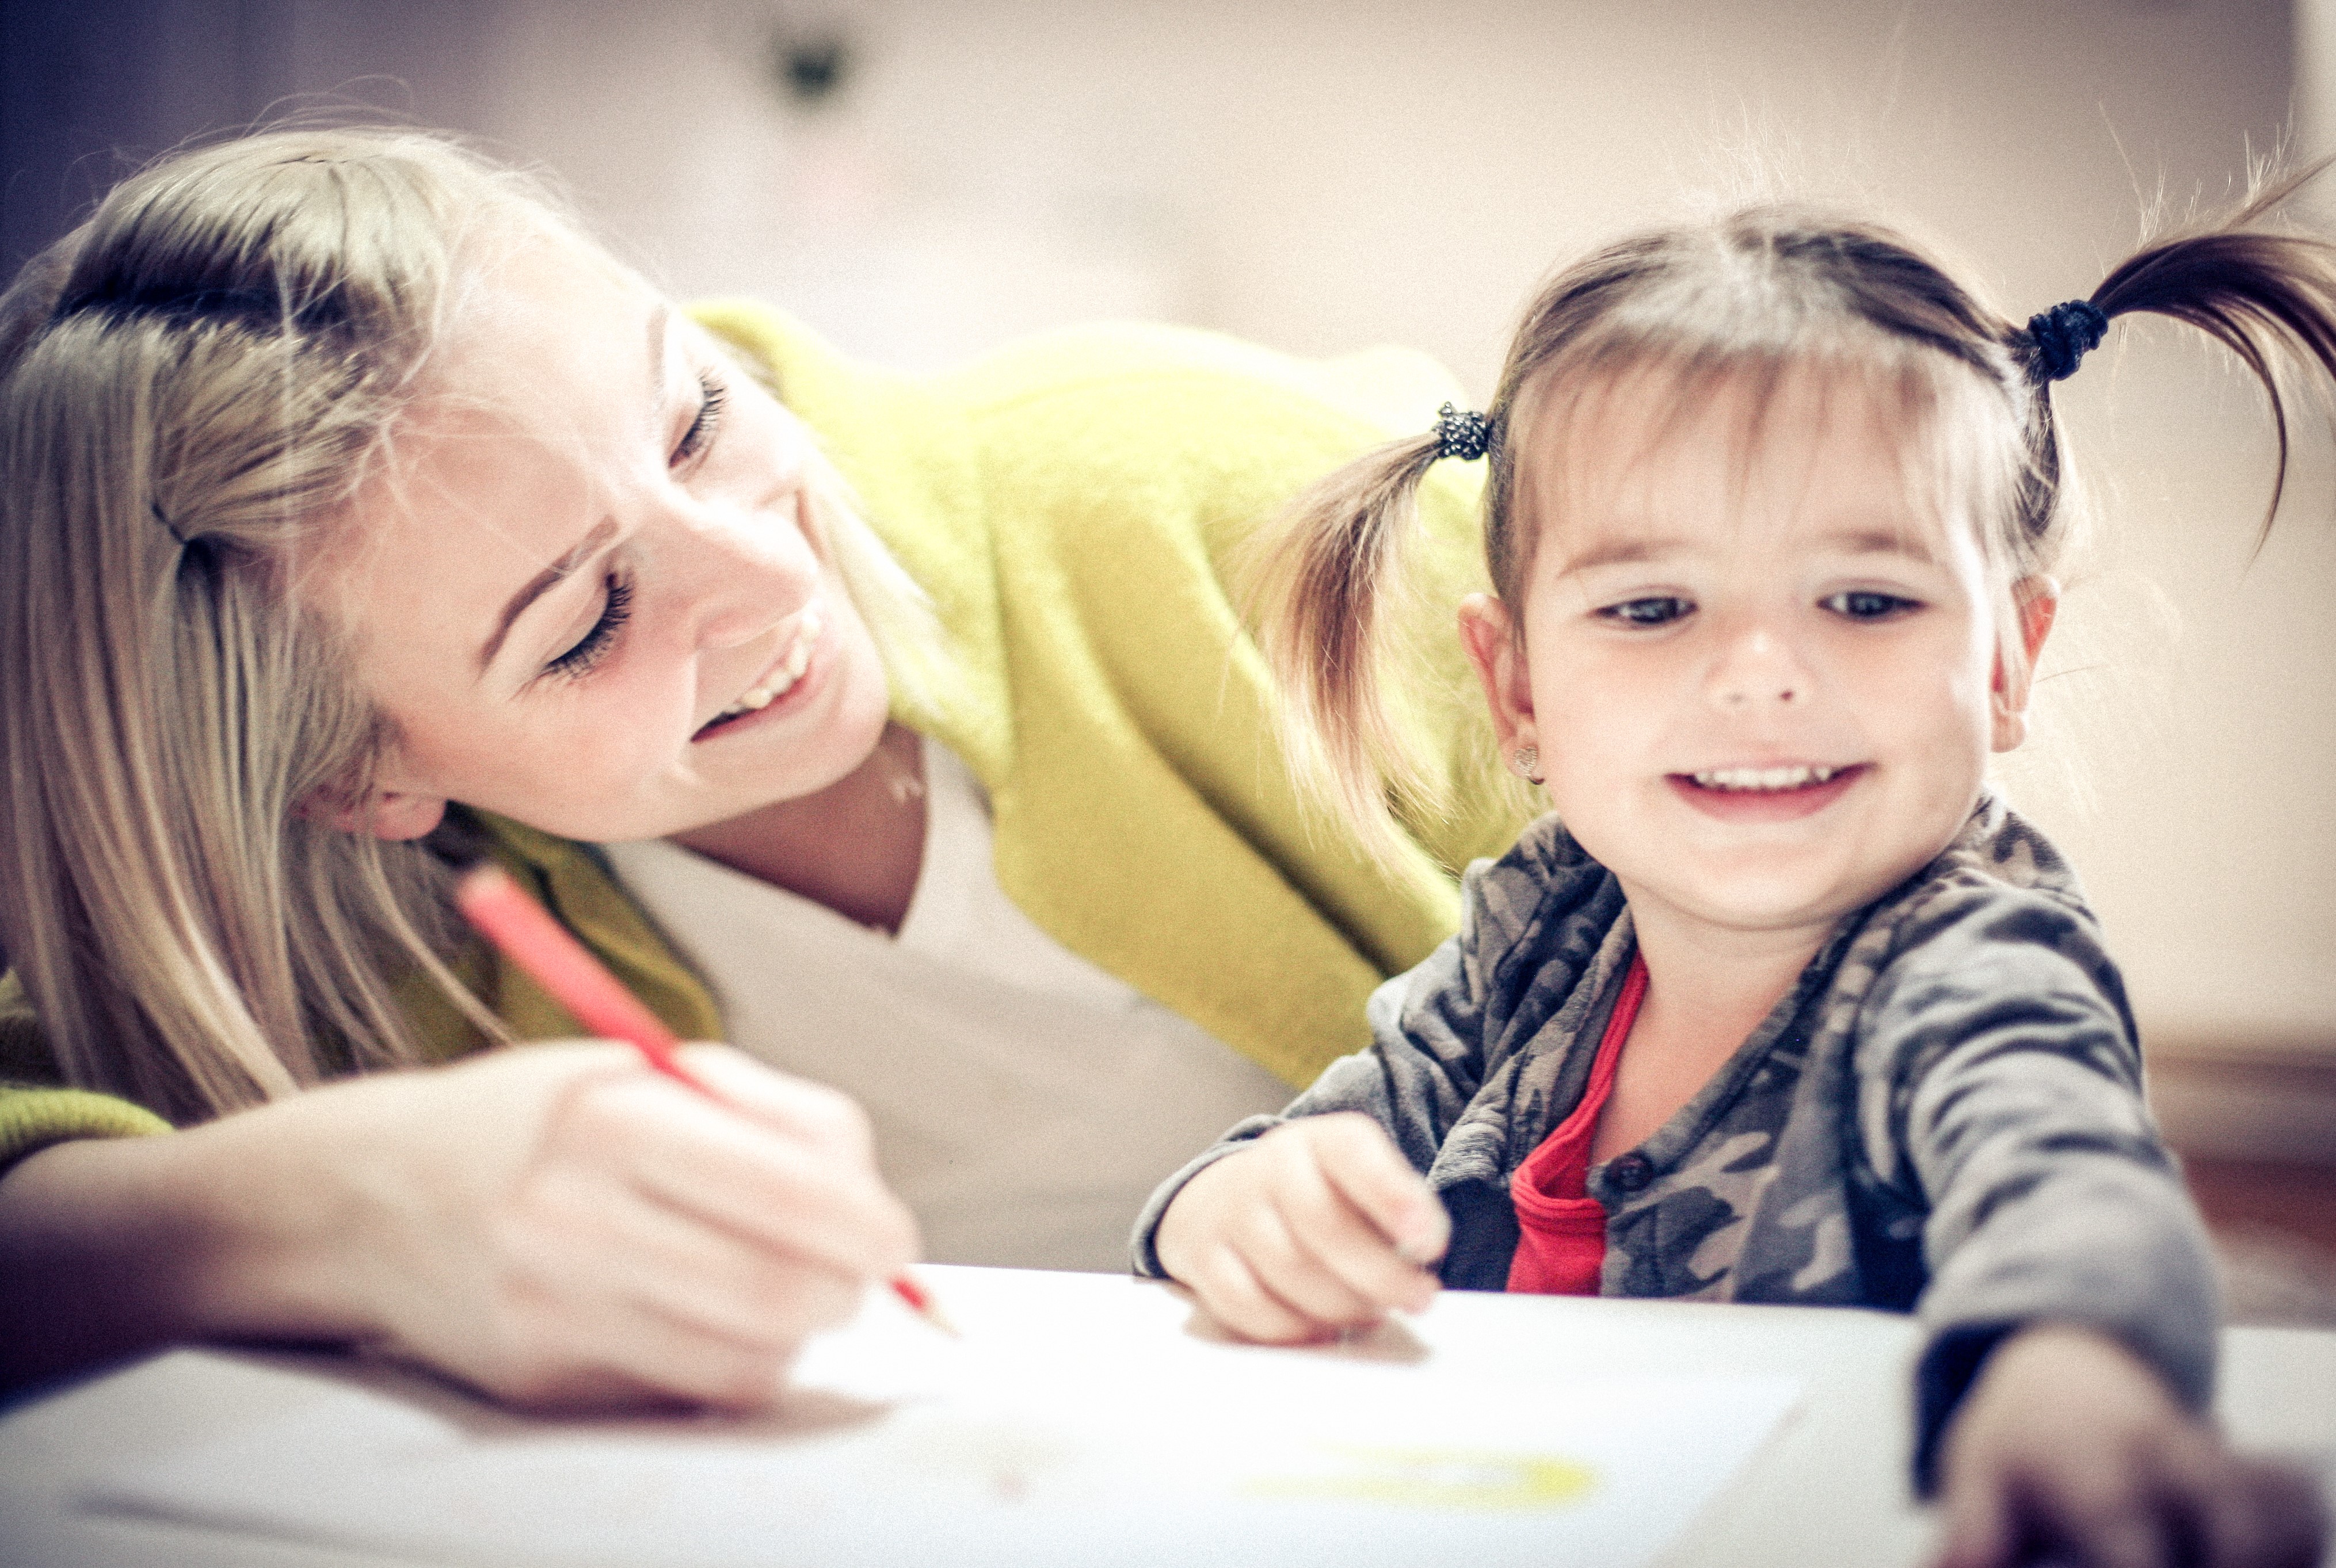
(1319, 1226)
(556, 1225)
(2069, 1449)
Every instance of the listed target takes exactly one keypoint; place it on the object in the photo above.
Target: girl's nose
(1757, 668)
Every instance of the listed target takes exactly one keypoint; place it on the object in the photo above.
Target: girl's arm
(555, 1226)
(1318, 1220)
(1321, 1219)
(2062, 1399)
(2069, 1447)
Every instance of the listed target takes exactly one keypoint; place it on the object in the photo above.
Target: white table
(1828, 1487)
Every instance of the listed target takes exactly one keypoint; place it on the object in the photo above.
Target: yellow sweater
(1070, 503)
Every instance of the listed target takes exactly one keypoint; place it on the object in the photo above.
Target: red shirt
(1561, 1229)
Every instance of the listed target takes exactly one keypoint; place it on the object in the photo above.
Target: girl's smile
(1758, 663)
(1769, 792)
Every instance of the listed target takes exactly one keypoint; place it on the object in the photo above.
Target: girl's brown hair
(1746, 299)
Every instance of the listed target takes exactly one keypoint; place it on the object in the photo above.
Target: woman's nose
(748, 570)
(1757, 668)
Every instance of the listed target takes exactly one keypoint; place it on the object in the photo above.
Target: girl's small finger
(1364, 1164)
(1341, 1243)
(1288, 1264)
(2124, 1539)
(1240, 1300)
(1976, 1526)
(2261, 1516)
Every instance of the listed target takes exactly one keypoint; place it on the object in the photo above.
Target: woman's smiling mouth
(779, 679)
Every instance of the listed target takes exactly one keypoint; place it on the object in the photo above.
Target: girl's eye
(1869, 604)
(711, 396)
(1655, 609)
(593, 646)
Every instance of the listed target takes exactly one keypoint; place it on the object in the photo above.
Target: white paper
(898, 1446)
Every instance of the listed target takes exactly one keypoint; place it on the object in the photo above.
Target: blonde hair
(1748, 299)
(195, 385)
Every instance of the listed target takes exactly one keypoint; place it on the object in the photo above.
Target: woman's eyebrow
(541, 583)
(660, 344)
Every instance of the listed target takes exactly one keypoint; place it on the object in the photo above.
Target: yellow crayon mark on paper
(1462, 1478)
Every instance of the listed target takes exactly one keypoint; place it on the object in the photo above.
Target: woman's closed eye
(712, 395)
(1869, 604)
(591, 648)
(1649, 610)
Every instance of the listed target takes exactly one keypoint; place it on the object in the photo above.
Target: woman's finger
(601, 1290)
(717, 1282)
(811, 1113)
(706, 1160)
(606, 1353)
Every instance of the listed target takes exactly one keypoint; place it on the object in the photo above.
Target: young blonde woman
(356, 514)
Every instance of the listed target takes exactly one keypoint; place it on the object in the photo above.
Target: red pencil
(527, 936)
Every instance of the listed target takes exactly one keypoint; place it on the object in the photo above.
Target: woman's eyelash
(711, 398)
(593, 646)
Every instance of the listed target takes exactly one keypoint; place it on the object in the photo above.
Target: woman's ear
(2036, 601)
(394, 814)
(1490, 637)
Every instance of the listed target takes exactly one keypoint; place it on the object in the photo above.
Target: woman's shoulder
(36, 1108)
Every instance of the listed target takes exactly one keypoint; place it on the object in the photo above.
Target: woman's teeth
(1763, 778)
(782, 678)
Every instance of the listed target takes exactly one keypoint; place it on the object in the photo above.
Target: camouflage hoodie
(1943, 1115)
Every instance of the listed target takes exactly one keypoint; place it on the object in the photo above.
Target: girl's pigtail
(1317, 585)
(2267, 296)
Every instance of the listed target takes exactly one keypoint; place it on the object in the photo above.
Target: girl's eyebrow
(1633, 550)
(1881, 542)
(660, 344)
(1620, 550)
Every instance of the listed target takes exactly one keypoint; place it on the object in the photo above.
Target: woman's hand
(1319, 1226)
(2070, 1448)
(557, 1225)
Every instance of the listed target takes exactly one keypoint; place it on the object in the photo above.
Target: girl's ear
(2036, 601)
(1491, 639)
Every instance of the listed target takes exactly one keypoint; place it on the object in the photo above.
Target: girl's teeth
(781, 679)
(1763, 778)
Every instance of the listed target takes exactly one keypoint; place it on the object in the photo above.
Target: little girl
(1779, 1004)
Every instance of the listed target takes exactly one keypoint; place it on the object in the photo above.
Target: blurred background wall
(922, 177)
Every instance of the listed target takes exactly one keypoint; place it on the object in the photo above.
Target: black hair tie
(2064, 334)
(1464, 435)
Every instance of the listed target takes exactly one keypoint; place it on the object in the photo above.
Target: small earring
(1525, 760)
